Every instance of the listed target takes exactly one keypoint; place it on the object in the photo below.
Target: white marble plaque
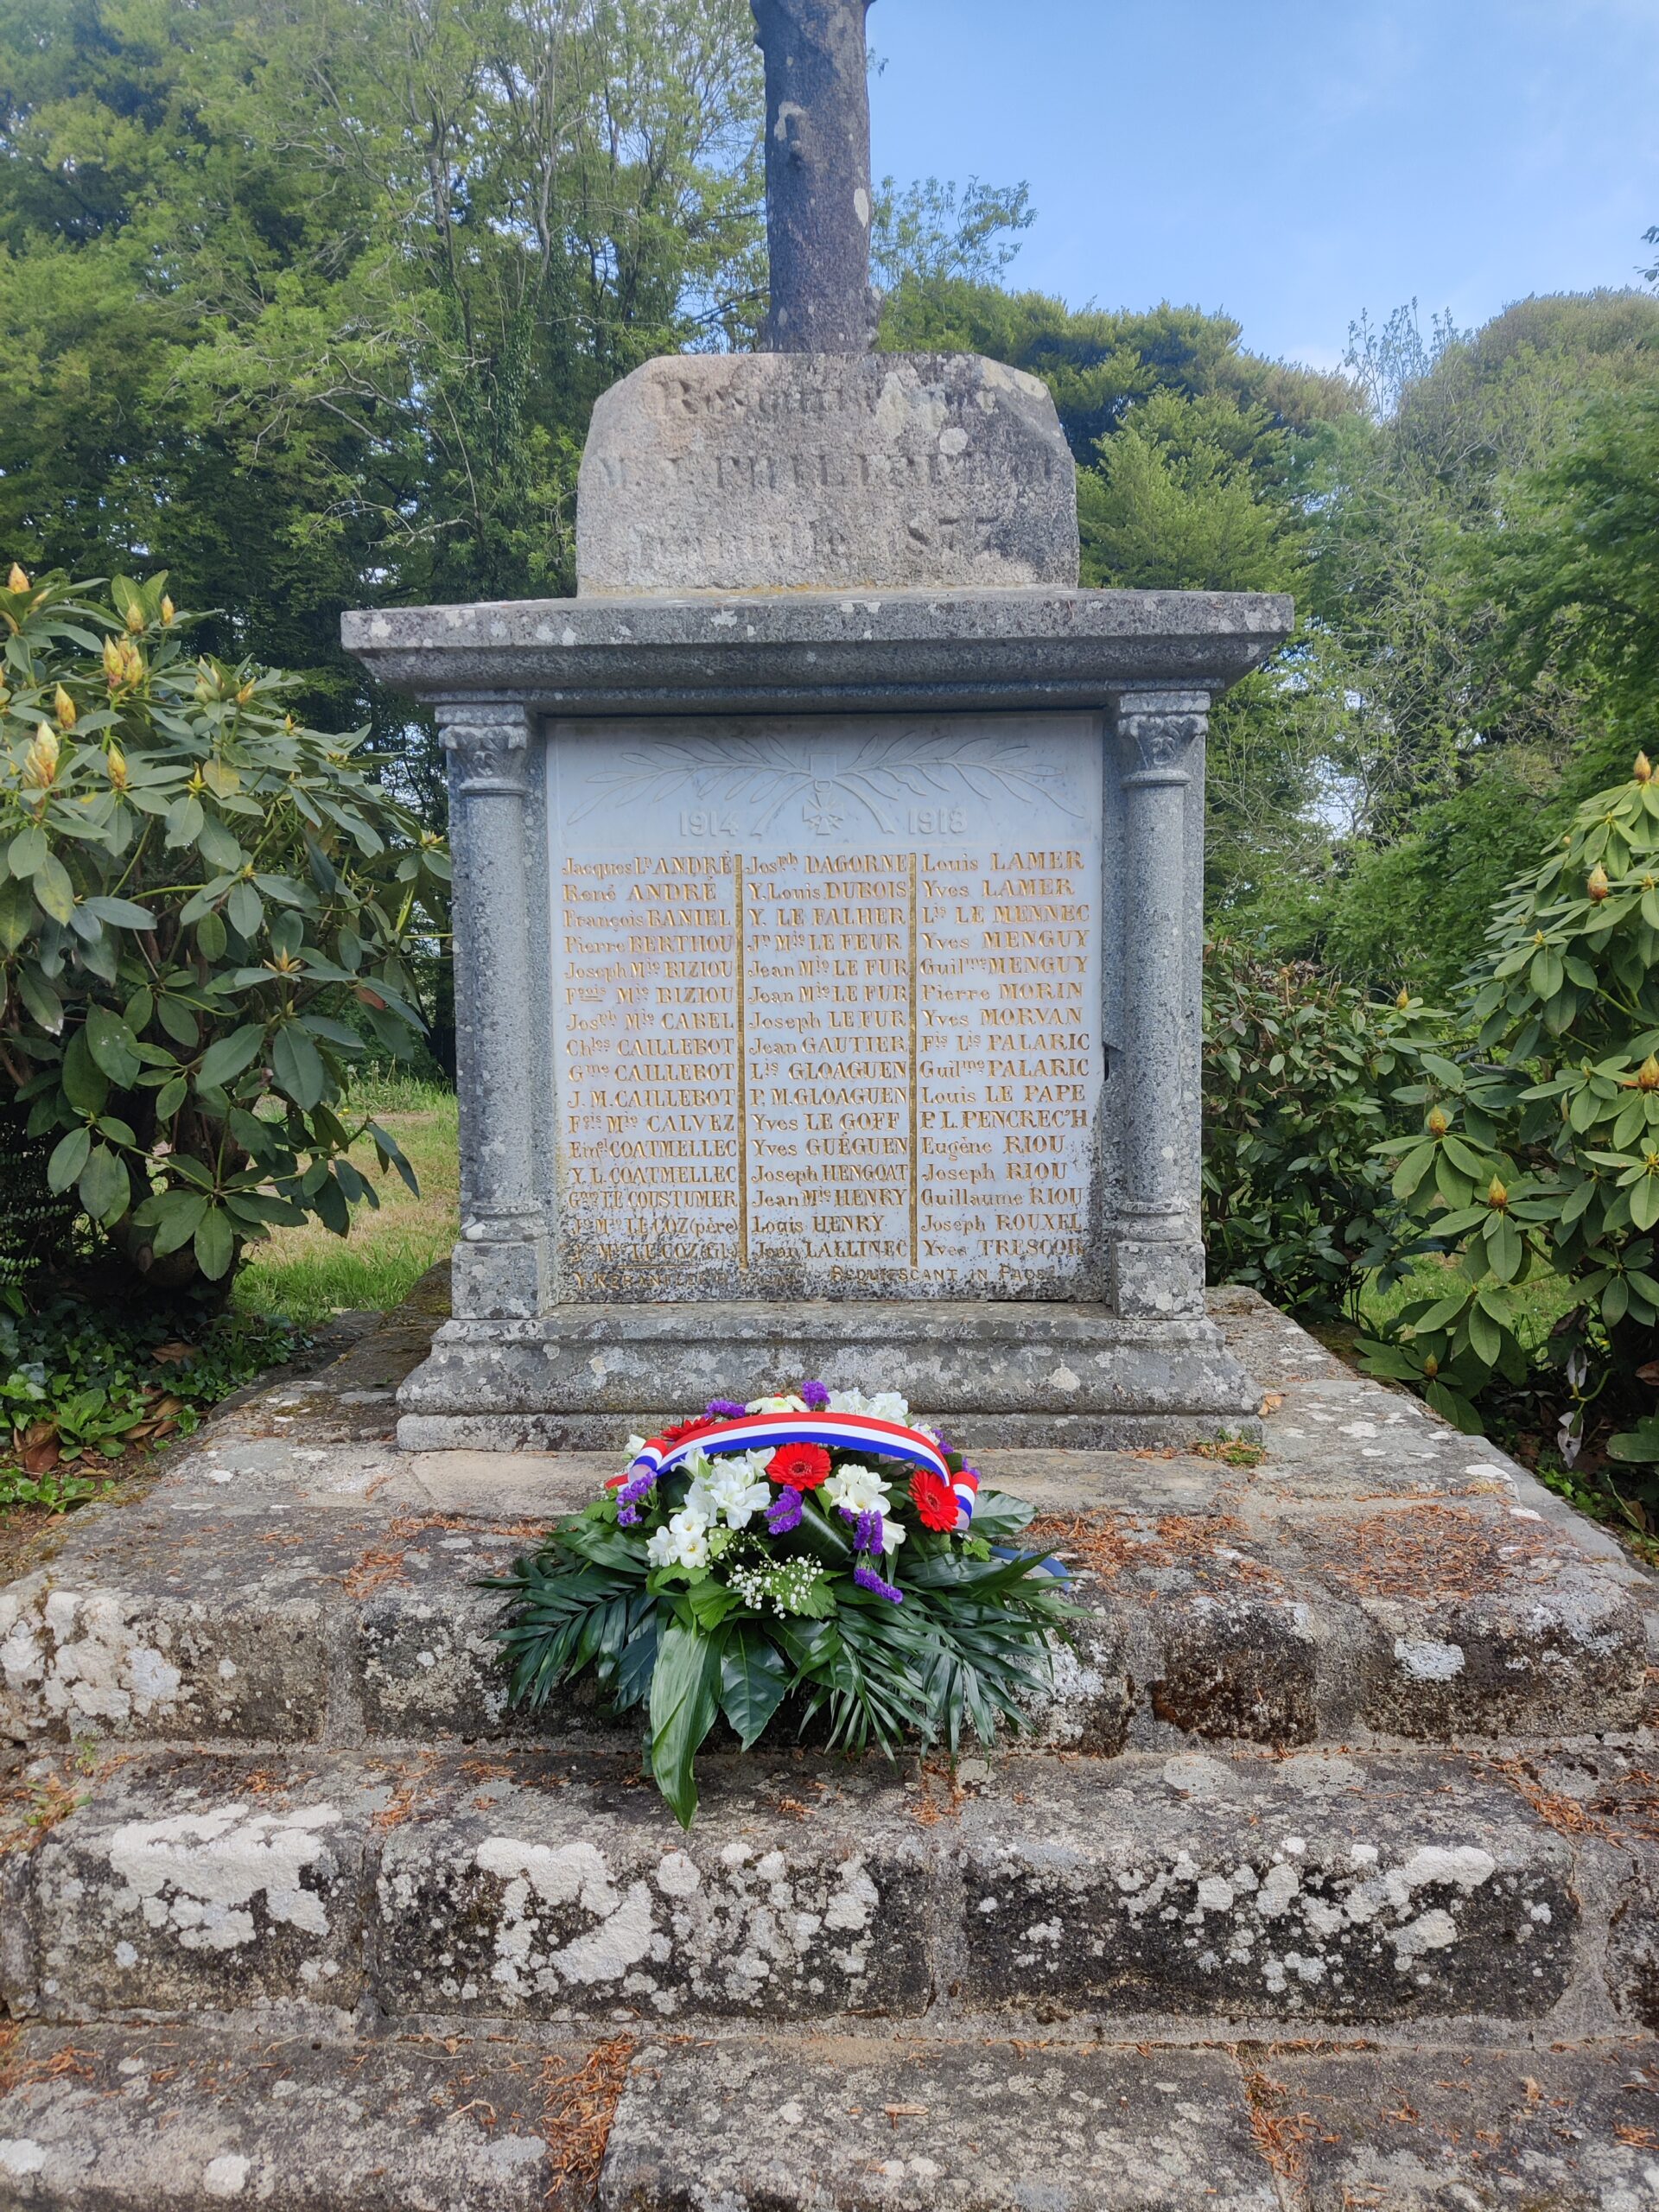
(827, 1005)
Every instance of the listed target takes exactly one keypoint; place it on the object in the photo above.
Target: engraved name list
(827, 1006)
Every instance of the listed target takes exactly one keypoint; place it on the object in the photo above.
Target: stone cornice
(811, 652)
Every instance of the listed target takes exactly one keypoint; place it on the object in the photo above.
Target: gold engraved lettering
(873, 1067)
(742, 1073)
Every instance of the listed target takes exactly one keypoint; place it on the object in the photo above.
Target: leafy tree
(1183, 499)
(1192, 454)
(335, 284)
(1575, 564)
(930, 232)
(204, 906)
(1097, 364)
(1402, 502)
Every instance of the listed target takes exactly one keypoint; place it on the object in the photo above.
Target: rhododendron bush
(796, 1560)
(207, 912)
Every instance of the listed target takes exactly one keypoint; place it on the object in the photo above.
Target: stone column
(1158, 1254)
(500, 1263)
(818, 175)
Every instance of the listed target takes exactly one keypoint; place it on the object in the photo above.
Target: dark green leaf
(68, 1158)
(112, 1045)
(104, 1191)
(226, 1057)
(121, 913)
(753, 1681)
(85, 1084)
(215, 1243)
(246, 910)
(53, 888)
(180, 1023)
(684, 1699)
(297, 1064)
(184, 820)
(43, 1003)
(16, 915)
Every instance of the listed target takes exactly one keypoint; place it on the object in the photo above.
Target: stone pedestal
(828, 986)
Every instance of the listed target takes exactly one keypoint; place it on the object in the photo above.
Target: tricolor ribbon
(882, 1439)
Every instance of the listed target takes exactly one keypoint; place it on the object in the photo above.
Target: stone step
(194, 2118)
(1212, 1619)
(521, 1887)
(1375, 1579)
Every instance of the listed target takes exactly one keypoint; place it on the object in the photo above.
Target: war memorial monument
(828, 909)
(827, 935)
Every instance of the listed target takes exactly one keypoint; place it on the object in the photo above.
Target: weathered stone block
(567, 1891)
(194, 2120)
(1631, 1964)
(1403, 2131)
(912, 2127)
(1241, 1669)
(1567, 1661)
(766, 472)
(1003, 1370)
(1094, 1696)
(202, 1884)
(426, 1662)
(1483, 1621)
(1319, 1886)
(110, 1661)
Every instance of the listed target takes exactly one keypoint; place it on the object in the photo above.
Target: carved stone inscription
(827, 1004)
(758, 472)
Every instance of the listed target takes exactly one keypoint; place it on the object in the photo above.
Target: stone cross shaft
(818, 175)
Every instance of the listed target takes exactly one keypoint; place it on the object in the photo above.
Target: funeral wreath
(812, 1559)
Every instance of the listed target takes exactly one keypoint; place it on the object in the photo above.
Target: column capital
(1156, 730)
(487, 741)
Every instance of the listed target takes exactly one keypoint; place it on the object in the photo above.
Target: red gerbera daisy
(935, 1502)
(799, 1466)
(682, 1429)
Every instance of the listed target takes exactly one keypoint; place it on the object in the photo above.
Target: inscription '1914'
(852, 1068)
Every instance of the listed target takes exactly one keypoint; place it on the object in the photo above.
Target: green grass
(308, 1273)
(1539, 1302)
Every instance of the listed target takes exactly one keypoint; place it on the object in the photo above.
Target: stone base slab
(535, 1887)
(134, 2118)
(991, 1373)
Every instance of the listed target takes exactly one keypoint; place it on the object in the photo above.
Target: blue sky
(1290, 161)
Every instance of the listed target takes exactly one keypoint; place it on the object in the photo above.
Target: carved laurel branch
(768, 772)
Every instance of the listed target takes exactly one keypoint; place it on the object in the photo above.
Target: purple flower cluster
(871, 1535)
(867, 1579)
(784, 1512)
(723, 1409)
(815, 1396)
(870, 1540)
(631, 1495)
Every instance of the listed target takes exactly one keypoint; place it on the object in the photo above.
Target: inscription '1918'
(871, 1067)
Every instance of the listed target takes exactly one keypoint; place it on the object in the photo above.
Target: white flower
(733, 1490)
(685, 1542)
(892, 1536)
(885, 1405)
(776, 1406)
(860, 1489)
